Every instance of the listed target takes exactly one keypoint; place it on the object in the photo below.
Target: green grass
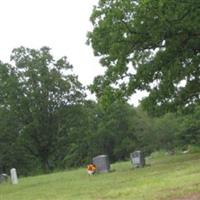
(165, 177)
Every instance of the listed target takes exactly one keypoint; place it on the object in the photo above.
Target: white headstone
(13, 176)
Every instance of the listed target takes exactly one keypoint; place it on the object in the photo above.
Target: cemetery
(117, 118)
(164, 173)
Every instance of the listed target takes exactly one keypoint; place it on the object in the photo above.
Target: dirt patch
(190, 197)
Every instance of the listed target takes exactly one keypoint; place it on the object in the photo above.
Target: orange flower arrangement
(91, 169)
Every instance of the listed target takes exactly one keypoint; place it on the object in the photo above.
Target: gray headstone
(102, 163)
(3, 178)
(13, 176)
(137, 159)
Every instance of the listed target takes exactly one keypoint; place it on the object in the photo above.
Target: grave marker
(3, 178)
(13, 176)
(102, 163)
(137, 159)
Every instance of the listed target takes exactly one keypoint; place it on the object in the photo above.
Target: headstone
(13, 176)
(3, 178)
(137, 159)
(102, 163)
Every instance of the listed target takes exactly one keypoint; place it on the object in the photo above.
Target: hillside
(165, 177)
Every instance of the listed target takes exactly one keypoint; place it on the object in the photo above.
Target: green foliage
(166, 130)
(152, 46)
(116, 131)
(46, 124)
(190, 128)
(74, 143)
(34, 91)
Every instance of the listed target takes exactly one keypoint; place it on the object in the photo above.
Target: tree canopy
(34, 91)
(152, 46)
(47, 124)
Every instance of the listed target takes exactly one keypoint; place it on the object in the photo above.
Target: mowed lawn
(165, 177)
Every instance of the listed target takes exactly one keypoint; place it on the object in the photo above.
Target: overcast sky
(61, 25)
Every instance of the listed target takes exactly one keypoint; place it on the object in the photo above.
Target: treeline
(47, 124)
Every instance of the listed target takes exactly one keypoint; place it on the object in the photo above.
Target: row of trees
(46, 123)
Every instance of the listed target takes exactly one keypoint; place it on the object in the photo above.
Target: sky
(61, 25)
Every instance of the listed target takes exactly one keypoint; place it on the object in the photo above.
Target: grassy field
(165, 177)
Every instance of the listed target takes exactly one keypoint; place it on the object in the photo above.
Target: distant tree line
(47, 124)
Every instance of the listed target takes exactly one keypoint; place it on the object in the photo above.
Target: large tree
(150, 45)
(35, 95)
